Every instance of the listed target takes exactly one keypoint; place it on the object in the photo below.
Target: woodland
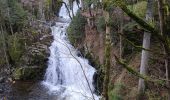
(126, 41)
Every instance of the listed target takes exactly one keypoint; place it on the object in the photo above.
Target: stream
(68, 76)
(28, 90)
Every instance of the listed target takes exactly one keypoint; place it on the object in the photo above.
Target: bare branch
(146, 78)
(81, 68)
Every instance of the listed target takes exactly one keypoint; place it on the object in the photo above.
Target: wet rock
(2, 79)
(1, 89)
(33, 62)
(10, 80)
(53, 24)
(37, 54)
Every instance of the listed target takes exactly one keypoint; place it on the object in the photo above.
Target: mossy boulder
(28, 73)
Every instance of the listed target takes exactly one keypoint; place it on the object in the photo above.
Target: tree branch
(146, 78)
(142, 23)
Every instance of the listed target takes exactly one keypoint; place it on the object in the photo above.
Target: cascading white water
(66, 72)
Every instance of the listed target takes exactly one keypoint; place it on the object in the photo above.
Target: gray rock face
(33, 62)
(2, 79)
(53, 24)
(1, 89)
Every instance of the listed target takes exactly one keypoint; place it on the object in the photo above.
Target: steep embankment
(26, 40)
(123, 84)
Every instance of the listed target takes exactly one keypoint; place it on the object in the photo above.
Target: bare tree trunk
(53, 6)
(107, 58)
(145, 54)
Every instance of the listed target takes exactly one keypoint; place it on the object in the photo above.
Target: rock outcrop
(28, 73)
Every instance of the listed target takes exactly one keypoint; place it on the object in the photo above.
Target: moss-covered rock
(35, 44)
(28, 73)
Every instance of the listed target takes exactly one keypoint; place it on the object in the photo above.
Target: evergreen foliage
(76, 28)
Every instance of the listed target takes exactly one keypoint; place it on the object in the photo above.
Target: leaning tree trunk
(107, 58)
(145, 54)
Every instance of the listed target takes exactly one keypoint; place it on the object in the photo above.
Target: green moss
(139, 9)
(27, 73)
(15, 47)
(17, 74)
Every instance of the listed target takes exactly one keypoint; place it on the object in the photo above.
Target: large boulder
(34, 58)
(28, 73)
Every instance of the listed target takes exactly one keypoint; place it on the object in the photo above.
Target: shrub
(15, 47)
(100, 23)
(115, 94)
(76, 28)
(18, 16)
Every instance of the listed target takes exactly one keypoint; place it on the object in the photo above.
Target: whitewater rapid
(68, 75)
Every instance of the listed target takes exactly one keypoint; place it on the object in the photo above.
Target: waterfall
(67, 73)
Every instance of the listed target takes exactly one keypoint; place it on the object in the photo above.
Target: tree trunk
(120, 36)
(145, 54)
(41, 12)
(163, 30)
(107, 58)
(168, 72)
(53, 5)
(161, 16)
(71, 4)
(89, 8)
